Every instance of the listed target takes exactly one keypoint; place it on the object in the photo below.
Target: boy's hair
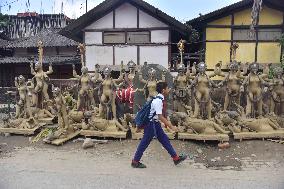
(160, 86)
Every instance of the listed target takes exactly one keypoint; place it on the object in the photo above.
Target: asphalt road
(31, 167)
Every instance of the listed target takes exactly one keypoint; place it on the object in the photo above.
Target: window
(132, 37)
(114, 37)
(242, 34)
(138, 37)
(32, 50)
(269, 34)
(266, 34)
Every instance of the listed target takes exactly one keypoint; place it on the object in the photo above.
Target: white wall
(147, 21)
(154, 55)
(93, 38)
(102, 23)
(98, 55)
(125, 54)
(160, 36)
(126, 16)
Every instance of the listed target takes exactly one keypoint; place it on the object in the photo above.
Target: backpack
(142, 116)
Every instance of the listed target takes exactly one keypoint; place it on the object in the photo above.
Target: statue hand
(174, 128)
(31, 65)
(265, 89)
(242, 89)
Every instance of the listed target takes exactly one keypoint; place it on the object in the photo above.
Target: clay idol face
(152, 73)
(56, 91)
(107, 71)
(21, 79)
(181, 69)
(37, 66)
(254, 68)
(278, 72)
(84, 70)
(131, 65)
(202, 67)
(234, 66)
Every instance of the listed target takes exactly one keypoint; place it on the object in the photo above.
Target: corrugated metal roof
(50, 38)
(46, 60)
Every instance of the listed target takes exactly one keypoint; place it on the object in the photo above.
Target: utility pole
(86, 6)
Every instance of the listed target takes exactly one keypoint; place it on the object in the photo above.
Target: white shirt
(156, 106)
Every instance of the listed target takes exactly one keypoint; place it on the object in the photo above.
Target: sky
(182, 10)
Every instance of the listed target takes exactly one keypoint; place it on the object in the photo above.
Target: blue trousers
(152, 129)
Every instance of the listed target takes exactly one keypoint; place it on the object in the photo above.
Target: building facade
(124, 30)
(231, 24)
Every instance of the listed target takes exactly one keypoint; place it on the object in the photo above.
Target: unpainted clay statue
(232, 82)
(63, 128)
(86, 93)
(187, 124)
(100, 124)
(23, 105)
(22, 123)
(202, 84)
(181, 92)
(254, 84)
(277, 91)
(260, 125)
(107, 101)
(41, 79)
(149, 88)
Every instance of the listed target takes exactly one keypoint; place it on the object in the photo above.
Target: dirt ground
(247, 164)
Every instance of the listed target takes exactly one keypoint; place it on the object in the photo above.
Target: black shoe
(180, 159)
(138, 165)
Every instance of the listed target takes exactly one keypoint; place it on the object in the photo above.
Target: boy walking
(154, 129)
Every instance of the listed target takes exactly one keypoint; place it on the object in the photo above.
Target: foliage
(193, 35)
(281, 40)
(4, 20)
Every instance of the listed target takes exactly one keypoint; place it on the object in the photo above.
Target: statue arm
(75, 73)
(244, 83)
(32, 69)
(16, 83)
(212, 75)
(50, 70)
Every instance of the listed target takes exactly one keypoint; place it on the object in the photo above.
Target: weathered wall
(104, 22)
(218, 38)
(125, 54)
(126, 18)
(154, 55)
(268, 53)
(98, 55)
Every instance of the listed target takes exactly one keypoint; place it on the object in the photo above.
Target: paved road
(32, 167)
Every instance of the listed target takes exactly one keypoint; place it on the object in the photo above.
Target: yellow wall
(246, 52)
(220, 51)
(267, 16)
(268, 53)
(270, 16)
(242, 17)
(217, 51)
(222, 21)
(218, 34)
